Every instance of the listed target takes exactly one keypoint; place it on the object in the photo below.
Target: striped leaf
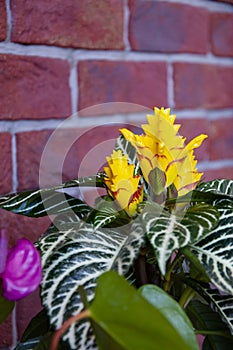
(75, 256)
(223, 304)
(209, 192)
(44, 202)
(127, 149)
(223, 186)
(110, 218)
(215, 250)
(208, 320)
(219, 302)
(168, 232)
(28, 345)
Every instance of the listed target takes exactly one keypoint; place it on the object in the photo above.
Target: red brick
(202, 85)
(3, 22)
(86, 24)
(168, 27)
(5, 163)
(141, 83)
(34, 87)
(65, 156)
(30, 146)
(92, 147)
(220, 173)
(222, 34)
(222, 142)
(19, 226)
(6, 333)
(191, 128)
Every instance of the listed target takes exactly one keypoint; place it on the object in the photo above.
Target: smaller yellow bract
(121, 182)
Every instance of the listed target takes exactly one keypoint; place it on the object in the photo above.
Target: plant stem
(186, 296)
(57, 335)
(218, 333)
(167, 282)
(140, 268)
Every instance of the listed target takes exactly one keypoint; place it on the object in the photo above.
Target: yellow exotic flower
(121, 182)
(161, 147)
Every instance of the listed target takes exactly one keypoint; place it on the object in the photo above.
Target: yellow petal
(196, 142)
(161, 146)
(120, 180)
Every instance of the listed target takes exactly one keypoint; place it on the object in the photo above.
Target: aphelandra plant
(150, 266)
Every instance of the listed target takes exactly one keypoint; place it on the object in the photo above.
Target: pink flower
(20, 268)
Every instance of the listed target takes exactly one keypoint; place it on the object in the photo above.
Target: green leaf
(40, 343)
(206, 319)
(43, 202)
(50, 201)
(221, 303)
(28, 345)
(168, 232)
(157, 181)
(6, 306)
(45, 342)
(127, 149)
(172, 311)
(128, 318)
(215, 252)
(37, 327)
(106, 214)
(206, 215)
(76, 255)
(110, 218)
(207, 192)
(218, 187)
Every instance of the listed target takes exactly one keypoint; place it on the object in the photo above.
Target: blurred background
(76, 71)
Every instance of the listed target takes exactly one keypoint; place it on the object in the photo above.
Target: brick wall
(57, 58)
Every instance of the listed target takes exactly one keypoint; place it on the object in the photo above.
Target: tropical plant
(150, 266)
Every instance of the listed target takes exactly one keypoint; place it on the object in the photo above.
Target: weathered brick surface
(220, 173)
(168, 27)
(2, 20)
(221, 145)
(202, 85)
(34, 87)
(85, 24)
(142, 83)
(19, 226)
(222, 34)
(5, 163)
(191, 128)
(30, 146)
(45, 160)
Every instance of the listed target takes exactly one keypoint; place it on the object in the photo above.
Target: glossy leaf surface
(172, 311)
(130, 319)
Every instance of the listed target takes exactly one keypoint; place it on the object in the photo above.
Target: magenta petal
(22, 273)
(3, 250)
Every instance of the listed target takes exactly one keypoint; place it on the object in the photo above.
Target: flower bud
(22, 273)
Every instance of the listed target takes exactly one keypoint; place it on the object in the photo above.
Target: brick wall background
(59, 57)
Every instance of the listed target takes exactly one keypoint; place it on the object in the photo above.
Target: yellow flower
(161, 146)
(121, 182)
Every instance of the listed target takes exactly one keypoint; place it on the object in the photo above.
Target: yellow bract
(121, 182)
(161, 146)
